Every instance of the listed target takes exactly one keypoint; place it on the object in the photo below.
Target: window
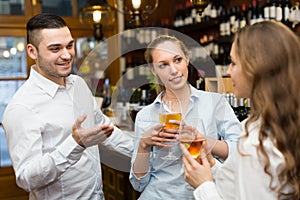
(13, 61)
(59, 7)
(7, 90)
(13, 72)
(8, 7)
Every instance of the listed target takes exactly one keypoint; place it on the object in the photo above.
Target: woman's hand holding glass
(159, 136)
(196, 173)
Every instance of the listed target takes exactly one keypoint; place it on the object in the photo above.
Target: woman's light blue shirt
(165, 179)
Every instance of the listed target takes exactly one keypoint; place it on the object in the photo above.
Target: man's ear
(32, 51)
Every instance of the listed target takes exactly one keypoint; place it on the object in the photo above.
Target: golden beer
(165, 118)
(193, 146)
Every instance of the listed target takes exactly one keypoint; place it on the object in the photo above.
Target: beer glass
(170, 110)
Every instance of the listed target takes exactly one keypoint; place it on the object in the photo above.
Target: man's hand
(87, 138)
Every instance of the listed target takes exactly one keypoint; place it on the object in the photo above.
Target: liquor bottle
(106, 94)
(222, 24)
(279, 11)
(248, 107)
(273, 10)
(235, 106)
(253, 13)
(143, 100)
(225, 23)
(260, 12)
(237, 19)
(129, 69)
(194, 14)
(242, 113)
(213, 11)
(286, 11)
(179, 16)
(243, 19)
(232, 19)
(188, 13)
(249, 12)
(267, 10)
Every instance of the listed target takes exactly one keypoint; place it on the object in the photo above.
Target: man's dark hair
(42, 21)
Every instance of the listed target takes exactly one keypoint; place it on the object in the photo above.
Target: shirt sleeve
(119, 141)
(138, 184)
(25, 144)
(207, 191)
(228, 124)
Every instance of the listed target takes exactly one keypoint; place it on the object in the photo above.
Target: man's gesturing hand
(92, 136)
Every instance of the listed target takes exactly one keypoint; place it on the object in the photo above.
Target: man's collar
(47, 85)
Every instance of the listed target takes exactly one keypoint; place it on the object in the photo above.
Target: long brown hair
(269, 53)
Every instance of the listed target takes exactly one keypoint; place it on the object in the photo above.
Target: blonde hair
(149, 51)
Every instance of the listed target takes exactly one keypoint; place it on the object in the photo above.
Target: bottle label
(278, 14)
(267, 13)
(272, 12)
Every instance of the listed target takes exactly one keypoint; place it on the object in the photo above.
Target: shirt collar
(194, 95)
(47, 85)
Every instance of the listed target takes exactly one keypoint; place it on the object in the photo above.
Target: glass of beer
(170, 110)
(192, 135)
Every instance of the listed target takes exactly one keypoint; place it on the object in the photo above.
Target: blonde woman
(151, 174)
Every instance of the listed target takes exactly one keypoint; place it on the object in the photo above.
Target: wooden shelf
(219, 85)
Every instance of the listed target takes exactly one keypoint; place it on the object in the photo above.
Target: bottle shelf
(192, 28)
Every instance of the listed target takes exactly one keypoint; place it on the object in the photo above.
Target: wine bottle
(286, 11)
(260, 12)
(248, 107)
(267, 10)
(106, 94)
(242, 113)
(143, 100)
(237, 19)
(235, 106)
(253, 12)
(232, 19)
(213, 11)
(279, 13)
(243, 20)
(273, 10)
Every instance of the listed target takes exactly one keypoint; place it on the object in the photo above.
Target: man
(53, 124)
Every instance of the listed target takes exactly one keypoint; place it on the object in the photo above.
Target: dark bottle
(260, 12)
(232, 18)
(235, 106)
(243, 19)
(253, 13)
(237, 19)
(143, 100)
(213, 11)
(242, 112)
(248, 107)
(225, 23)
(106, 94)
(286, 7)
(188, 13)
(179, 21)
